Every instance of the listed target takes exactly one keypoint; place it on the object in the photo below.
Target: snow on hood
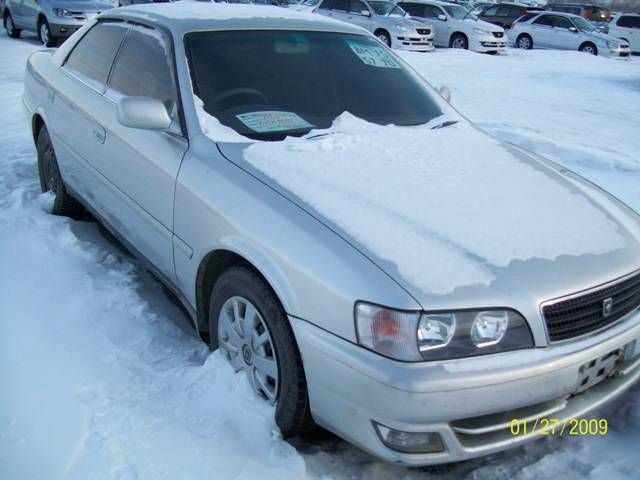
(443, 205)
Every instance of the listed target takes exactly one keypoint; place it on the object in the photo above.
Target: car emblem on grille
(607, 306)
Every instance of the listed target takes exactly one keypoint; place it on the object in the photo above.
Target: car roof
(187, 16)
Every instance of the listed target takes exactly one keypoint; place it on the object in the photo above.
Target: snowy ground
(101, 376)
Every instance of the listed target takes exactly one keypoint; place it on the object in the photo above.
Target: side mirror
(143, 112)
(365, 13)
(445, 93)
(442, 17)
(573, 29)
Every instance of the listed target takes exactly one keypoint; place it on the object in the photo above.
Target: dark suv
(503, 14)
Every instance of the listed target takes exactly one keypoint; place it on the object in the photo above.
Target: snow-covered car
(52, 20)
(374, 262)
(565, 31)
(626, 26)
(386, 20)
(457, 27)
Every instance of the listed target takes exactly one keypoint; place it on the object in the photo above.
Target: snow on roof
(444, 206)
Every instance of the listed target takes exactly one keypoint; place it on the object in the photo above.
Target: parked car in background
(627, 27)
(385, 19)
(457, 27)
(596, 14)
(51, 20)
(503, 14)
(565, 31)
(124, 3)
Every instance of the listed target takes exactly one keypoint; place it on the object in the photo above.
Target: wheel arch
(215, 262)
(589, 42)
(37, 122)
(457, 33)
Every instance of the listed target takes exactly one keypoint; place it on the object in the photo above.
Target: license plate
(595, 371)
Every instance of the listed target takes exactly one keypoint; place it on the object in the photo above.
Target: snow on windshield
(453, 192)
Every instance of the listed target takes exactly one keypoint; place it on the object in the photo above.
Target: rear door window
(628, 21)
(545, 20)
(93, 56)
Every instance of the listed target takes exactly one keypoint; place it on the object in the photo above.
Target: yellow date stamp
(572, 427)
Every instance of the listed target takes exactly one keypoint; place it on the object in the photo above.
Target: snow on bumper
(465, 401)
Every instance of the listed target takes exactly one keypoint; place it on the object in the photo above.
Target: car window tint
(526, 17)
(546, 20)
(142, 67)
(561, 22)
(93, 55)
(356, 6)
(340, 5)
(491, 12)
(504, 11)
(628, 21)
(413, 9)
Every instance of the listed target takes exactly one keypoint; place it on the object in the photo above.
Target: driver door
(564, 37)
(356, 9)
(141, 166)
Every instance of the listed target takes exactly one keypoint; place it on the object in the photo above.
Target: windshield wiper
(446, 123)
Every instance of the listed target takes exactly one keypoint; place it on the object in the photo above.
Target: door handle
(99, 133)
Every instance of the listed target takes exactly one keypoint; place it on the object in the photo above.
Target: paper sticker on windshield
(374, 55)
(273, 121)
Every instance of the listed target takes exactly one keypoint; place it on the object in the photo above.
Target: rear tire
(459, 41)
(236, 296)
(45, 35)
(50, 178)
(589, 48)
(524, 42)
(10, 27)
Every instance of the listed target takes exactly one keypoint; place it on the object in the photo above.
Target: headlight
(414, 336)
(404, 29)
(480, 31)
(613, 45)
(474, 332)
(61, 12)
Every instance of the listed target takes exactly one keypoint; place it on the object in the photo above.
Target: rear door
(335, 9)
(79, 85)
(563, 37)
(628, 27)
(141, 166)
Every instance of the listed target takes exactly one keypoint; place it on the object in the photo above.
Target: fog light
(489, 327)
(409, 442)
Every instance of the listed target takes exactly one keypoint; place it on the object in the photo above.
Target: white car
(385, 19)
(627, 27)
(457, 27)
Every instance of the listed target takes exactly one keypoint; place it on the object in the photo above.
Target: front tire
(10, 27)
(459, 41)
(45, 35)
(50, 178)
(248, 324)
(384, 37)
(589, 48)
(524, 42)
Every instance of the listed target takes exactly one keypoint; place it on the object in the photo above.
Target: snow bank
(442, 205)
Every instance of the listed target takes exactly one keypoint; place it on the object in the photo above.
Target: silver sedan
(390, 273)
(564, 31)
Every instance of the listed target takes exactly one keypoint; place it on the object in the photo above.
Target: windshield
(269, 84)
(583, 24)
(458, 12)
(387, 8)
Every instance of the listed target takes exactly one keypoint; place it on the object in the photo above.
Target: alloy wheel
(44, 33)
(589, 49)
(245, 340)
(458, 42)
(524, 43)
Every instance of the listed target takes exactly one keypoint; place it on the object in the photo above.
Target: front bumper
(67, 25)
(488, 44)
(622, 53)
(469, 402)
(413, 42)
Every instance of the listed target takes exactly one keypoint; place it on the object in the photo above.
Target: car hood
(83, 5)
(454, 216)
(487, 26)
(603, 37)
(395, 21)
